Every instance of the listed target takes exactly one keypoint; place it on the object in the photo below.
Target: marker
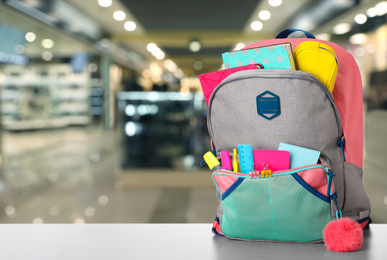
(226, 161)
(211, 161)
(235, 161)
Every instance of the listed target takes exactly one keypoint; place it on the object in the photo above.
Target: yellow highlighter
(235, 164)
(211, 161)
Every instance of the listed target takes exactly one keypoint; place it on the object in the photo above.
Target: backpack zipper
(334, 55)
(276, 173)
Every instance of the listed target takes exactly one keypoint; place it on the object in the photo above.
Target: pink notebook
(211, 80)
(275, 160)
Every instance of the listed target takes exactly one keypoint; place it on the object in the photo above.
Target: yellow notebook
(318, 59)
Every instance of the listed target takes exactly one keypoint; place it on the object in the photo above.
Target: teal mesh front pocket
(276, 208)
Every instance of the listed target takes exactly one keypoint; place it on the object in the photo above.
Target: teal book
(271, 57)
(300, 156)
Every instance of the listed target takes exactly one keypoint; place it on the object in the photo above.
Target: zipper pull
(341, 144)
(325, 165)
(330, 175)
(333, 196)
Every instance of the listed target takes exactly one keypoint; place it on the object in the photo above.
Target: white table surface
(162, 241)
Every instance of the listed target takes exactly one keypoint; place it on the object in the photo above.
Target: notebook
(278, 56)
(274, 160)
(300, 156)
(211, 80)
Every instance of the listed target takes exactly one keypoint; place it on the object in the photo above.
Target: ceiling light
(323, 36)
(198, 65)
(239, 46)
(275, 2)
(47, 43)
(156, 51)
(105, 3)
(360, 18)
(10, 210)
(119, 15)
(37, 221)
(381, 8)
(146, 73)
(371, 12)
(309, 26)
(151, 47)
(130, 26)
(155, 69)
(305, 22)
(47, 56)
(30, 36)
(195, 46)
(256, 26)
(264, 15)
(92, 67)
(170, 65)
(342, 28)
(359, 38)
(179, 73)
(160, 55)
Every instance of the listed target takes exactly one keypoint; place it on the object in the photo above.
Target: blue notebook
(300, 156)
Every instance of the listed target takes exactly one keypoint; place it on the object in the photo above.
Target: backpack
(264, 108)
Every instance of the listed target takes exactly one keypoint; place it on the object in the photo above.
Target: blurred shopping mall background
(102, 115)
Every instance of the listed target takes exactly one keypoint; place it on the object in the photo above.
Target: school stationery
(300, 156)
(209, 81)
(245, 152)
(226, 161)
(278, 56)
(235, 163)
(274, 160)
(319, 59)
(211, 161)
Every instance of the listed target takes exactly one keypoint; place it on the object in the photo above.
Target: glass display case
(163, 129)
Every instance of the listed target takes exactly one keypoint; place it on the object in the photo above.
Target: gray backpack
(265, 107)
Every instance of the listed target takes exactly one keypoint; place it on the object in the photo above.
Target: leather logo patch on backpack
(268, 105)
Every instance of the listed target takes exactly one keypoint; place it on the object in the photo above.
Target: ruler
(246, 161)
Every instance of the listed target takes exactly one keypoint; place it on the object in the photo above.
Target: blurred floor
(72, 176)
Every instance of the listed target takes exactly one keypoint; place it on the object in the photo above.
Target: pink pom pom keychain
(342, 234)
